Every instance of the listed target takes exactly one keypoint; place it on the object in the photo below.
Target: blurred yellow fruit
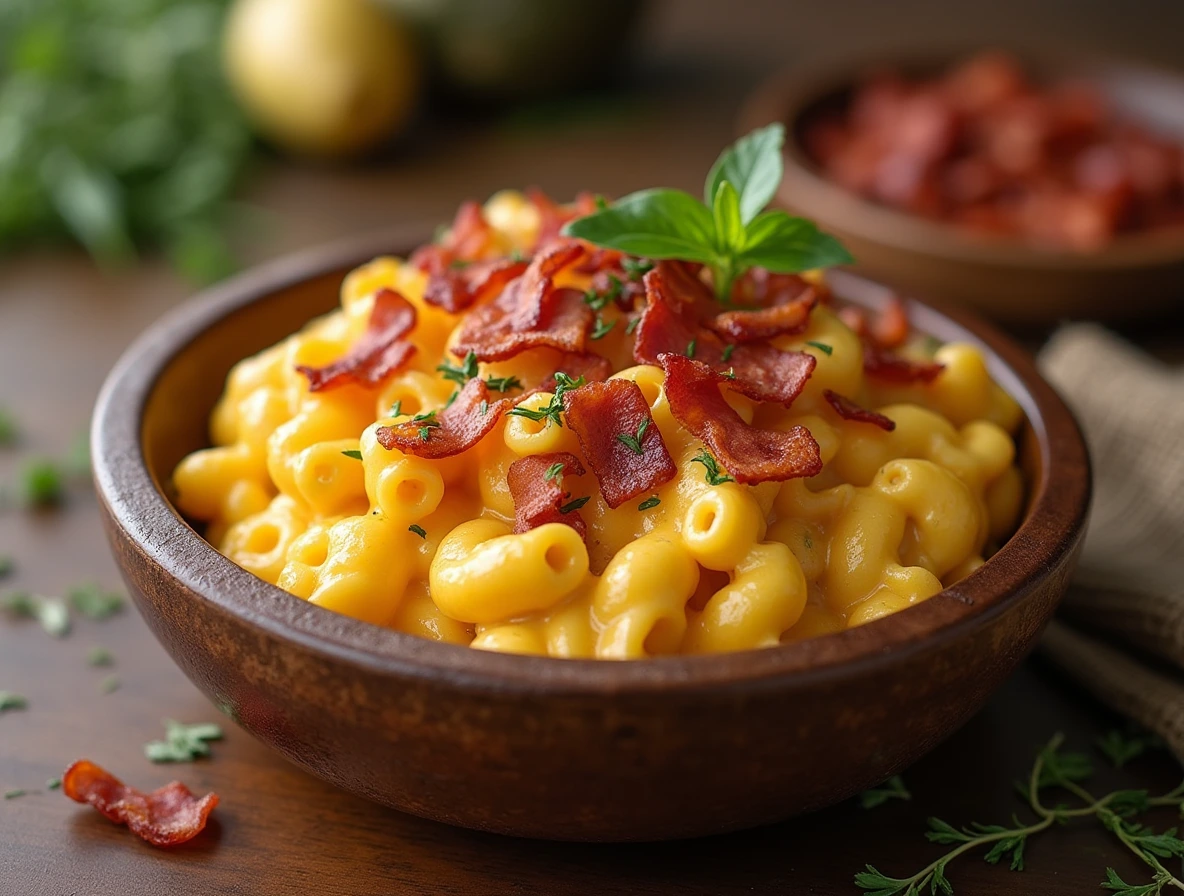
(327, 78)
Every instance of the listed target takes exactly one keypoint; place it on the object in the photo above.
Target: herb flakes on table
(10, 701)
(892, 789)
(182, 743)
(50, 612)
(94, 602)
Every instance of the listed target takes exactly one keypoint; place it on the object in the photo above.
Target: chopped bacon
(164, 817)
(469, 239)
(849, 410)
(539, 500)
(552, 218)
(455, 289)
(531, 312)
(592, 367)
(765, 323)
(450, 431)
(749, 454)
(607, 418)
(890, 328)
(884, 365)
(378, 352)
(668, 325)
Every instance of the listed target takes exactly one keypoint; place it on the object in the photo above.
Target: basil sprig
(728, 231)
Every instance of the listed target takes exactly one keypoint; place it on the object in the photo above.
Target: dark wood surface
(280, 831)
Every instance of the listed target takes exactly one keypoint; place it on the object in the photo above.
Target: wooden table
(280, 831)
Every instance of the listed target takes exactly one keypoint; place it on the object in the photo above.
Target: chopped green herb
(459, 264)
(354, 453)
(633, 442)
(460, 373)
(418, 530)
(9, 701)
(100, 656)
(713, 476)
(632, 325)
(483, 408)
(822, 347)
(553, 472)
(50, 612)
(427, 418)
(396, 409)
(691, 348)
(649, 503)
(94, 602)
(109, 685)
(636, 268)
(53, 783)
(13, 794)
(892, 789)
(551, 411)
(575, 504)
(8, 429)
(602, 328)
(730, 373)
(726, 355)
(7, 565)
(598, 300)
(76, 463)
(452, 398)
(807, 541)
(1121, 748)
(503, 383)
(182, 743)
(425, 433)
(516, 255)
(41, 483)
(600, 201)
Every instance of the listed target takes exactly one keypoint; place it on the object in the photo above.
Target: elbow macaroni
(427, 547)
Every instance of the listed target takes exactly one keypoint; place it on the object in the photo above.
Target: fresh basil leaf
(729, 229)
(785, 245)
(656, 223)
(752, 165)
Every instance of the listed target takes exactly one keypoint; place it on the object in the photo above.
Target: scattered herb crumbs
(460, 373)
(602, 328)
(649, 503)
(713, 474)
(7, 565)
(41, 483)
(730, 373)
(182, 743)
(516, 255)
(633, 442)
(10, 701)
(551, 411)
(575, 504)
(821, 346)
(354, 453)
(892, 789)
(53, 783)
(50, 612)
(483, 408)
(553, 472)
(396, 409)
(691, 348)
(503, 383)
(100, 656)
(94, 602)
(13, 794)
(109, 685)
(726, 355)
(459, 264)
(8, 429)
(632, 325)
(425, 433)
(452, 398)
(636, 268)
(418, 530)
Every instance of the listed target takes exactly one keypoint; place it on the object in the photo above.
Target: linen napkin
(1120, 630)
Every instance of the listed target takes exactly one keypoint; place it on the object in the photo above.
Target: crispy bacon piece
(885, 331)
(537, 499)
(606, 418)
(592, 367)
(530, 312)
(668, 325)
(378, 352)
(164, 817)
(455, 289)
(884, 365)
(469, 239)
(849, 410)
(456, 428)
(749, 454)
(765, 323)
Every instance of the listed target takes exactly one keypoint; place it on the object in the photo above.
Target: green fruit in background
(327, 78)
(507, 49)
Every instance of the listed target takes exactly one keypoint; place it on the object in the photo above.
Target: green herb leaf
(396, 409)
(53, 783)
(9, 433)
(713, 475)
(109, 685)
(656, 223)
(649, 503)
(726, 354)
(601, 328)
(99, 656)
(786, 245)
(892, 789)
(460, 373)
(353, 452)
(1121, 748)
(553, 472)
(575, 504)
(1119, 886)
(632, 325)
(822, 347)
(94, 602)
(418, 530)
(633, 442)
(50, 612)
(691, 348)
(554, 408)
(13, 794)
(10, 701)
(41, 483)
(182, 743)
(503, 383)
(753, 166)
(729, 229)
(636, 268)
(7, 565)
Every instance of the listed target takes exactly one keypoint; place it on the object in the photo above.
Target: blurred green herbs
(117, 130)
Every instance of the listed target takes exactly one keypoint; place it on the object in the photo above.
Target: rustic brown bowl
(1136, 275)
(559, 749)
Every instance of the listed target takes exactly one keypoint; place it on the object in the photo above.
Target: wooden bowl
(537, 747)
(1135, 276)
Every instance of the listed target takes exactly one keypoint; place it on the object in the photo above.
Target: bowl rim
(147, 522)
(789, 93)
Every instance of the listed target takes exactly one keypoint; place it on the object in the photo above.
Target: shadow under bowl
(1136, 275)
(537, 747)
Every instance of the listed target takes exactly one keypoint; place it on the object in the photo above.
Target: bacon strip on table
(749, 454)
(606, 418)
(530, 312)
(456, 289)
(849, 410)
(537, 499)
(884, 365)
(669, 326)
(378, 352)
(450, 431)
(792, 316)
(164, 817)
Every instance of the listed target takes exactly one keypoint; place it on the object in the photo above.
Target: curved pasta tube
(259, 543)
(514, 637)
(483, 573)
(721, 524)
(524, 436)
(329, 481)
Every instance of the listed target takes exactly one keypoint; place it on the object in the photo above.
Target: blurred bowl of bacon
(1034, 187)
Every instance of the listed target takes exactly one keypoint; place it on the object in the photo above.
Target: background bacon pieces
(762, 324)
(849, 410)
(598, 414)
(469, 239)
(457, 428)
(164, 817)
(456, 289)
(884, 365)
(749, 454)
(378, 352)
(537, 499)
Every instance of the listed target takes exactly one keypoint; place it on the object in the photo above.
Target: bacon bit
(890, 328)
(895, 369)
(530, 313)
(469, 239)
(749, 454)
(537, 498)
(607, 418)
(455, 289)
(552, 217)
(849, 410)
(378, 352)
(458, 427)
(762, 372)
(765, 323)
(592, 367)
(164, 817)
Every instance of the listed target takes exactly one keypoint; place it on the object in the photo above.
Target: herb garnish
(9, 701)
(649, 503)
(428, 422)
(418, 530)
(1120, 748)
(503, 383)
(8, 429)
(892, 789)
(7, 565)
(53, 783)
(551, 411)
(726, 354)
(633, 442)
(553, 472)
(99, 656)
(13, 794)
(632, 325)
(396, 409)
(598, 300)
(729, 232)
(691, 348)
(41, 483)
(50, 612)
(94, 602)
(601, 328)
(110, 684)
(636, 268)
(483, 408)
(460, 373)
(575, 504)
(822, 347)
(353, 452)
(713, 476)
(182, 743)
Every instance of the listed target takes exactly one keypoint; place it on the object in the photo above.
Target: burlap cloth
(1120, 630)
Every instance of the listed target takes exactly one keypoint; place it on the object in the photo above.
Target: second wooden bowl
(573, 750)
